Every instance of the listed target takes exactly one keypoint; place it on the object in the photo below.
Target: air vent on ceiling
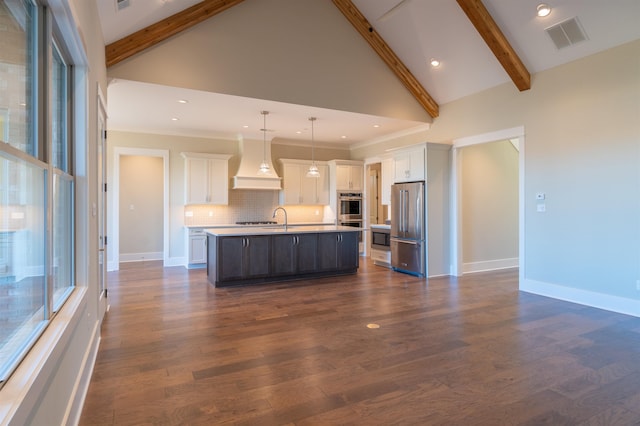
(121, 4)
(566, 33)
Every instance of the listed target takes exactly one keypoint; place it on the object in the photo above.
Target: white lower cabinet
(197, 247)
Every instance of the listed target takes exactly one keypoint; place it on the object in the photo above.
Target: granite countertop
(278, 229)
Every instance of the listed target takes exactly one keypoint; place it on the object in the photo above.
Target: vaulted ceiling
(480, 44)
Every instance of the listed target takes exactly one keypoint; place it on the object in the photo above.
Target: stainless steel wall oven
(350, 206)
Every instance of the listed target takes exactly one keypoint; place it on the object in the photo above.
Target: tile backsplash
(251, 205)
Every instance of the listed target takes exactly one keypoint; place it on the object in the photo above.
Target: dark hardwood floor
(468, 351)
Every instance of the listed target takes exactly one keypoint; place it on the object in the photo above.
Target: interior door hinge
(105, 240)
(105, 187)
(106, 293)
(105, 135)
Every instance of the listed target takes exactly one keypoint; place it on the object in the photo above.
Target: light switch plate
(540, 196)
(542, 208)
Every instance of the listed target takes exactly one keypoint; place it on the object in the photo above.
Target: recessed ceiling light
(343, 137)
(246, 126)
(376, 125)
(298, 132)
(174, 119)
(543, 10)
(434, 62)
(183, 101)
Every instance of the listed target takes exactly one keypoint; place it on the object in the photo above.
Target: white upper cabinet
(348, 176)
(409, 164)
(206, 178)
(298, 189)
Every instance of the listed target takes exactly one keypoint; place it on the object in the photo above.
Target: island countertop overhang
(279, 230)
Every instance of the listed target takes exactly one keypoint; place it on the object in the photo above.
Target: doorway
(150, 211)
(373, 199)
(461, 248)
(140, 208)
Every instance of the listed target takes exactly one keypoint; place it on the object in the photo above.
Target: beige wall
(243, 204)
(174, 145)
(582, 148)
(296, 51)
(285, 149)
(489, 205)
(581, 124)
(141, 207)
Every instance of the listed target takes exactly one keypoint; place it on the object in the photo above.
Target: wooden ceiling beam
(497, 42)
(357, 19)
(153, 34)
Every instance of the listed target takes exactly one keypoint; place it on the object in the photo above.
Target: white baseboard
(607, 302)
(489, 265)
(140, 257)
(176, 261)
(76, 403)
(172, 261)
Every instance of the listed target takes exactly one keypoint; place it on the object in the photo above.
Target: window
(59, 112)
(36, 181)
(62, 237)
(17, 64)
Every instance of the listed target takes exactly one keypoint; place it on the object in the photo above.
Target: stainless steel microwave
(380, 239)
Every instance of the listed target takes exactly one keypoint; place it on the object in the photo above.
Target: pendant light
(313, 169)
(264, 166)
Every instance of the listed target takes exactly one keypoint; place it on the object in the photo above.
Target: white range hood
(248, 176)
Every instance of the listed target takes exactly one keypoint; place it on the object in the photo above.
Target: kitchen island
(252, 255)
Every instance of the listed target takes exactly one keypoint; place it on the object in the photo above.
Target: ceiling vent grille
(566, 33)
(122, 4)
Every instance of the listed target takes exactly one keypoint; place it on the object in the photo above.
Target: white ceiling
(417, 30)
(150, 108)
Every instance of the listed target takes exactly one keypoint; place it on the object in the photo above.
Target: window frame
(41, 41)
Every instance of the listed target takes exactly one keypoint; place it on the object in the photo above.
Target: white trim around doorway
(514, 133)
(114, 259)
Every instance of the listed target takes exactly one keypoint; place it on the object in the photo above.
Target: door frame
(118, 152)
(366, 193)
(102, 203)
(456, 193)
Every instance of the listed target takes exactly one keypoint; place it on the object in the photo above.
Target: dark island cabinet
(243, 257)
(338, 251)
(251, 259)
(293, 254)
(348, 250)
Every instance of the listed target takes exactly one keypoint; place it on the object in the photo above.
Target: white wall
(582, 132)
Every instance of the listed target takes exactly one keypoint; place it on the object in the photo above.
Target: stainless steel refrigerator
(407, 228)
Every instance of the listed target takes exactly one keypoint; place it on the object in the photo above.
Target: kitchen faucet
(285, 215)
